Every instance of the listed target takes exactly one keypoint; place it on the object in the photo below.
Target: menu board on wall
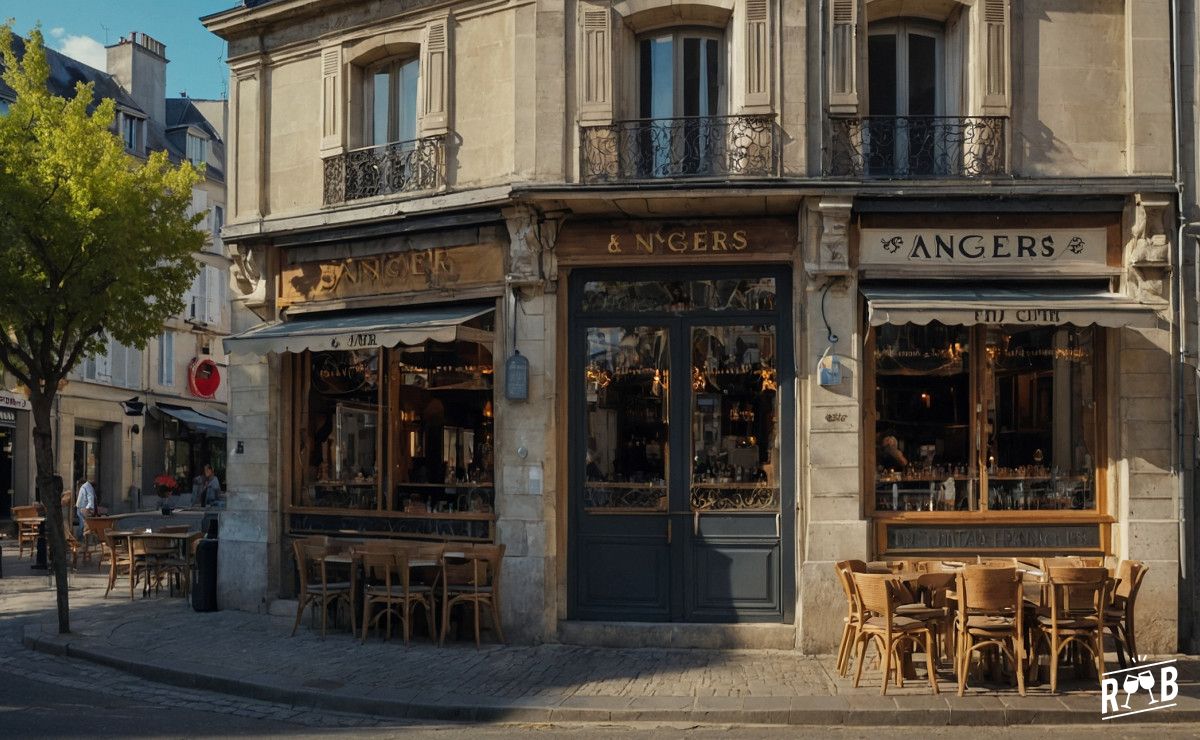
(972, 537)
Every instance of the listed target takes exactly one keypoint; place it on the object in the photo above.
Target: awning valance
(1034, 306)
(365, 330)
(194, 419)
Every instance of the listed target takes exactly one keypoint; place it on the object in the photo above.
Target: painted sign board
(966, 247)
(993, 537)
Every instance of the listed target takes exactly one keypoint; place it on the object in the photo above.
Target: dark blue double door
(680, 440)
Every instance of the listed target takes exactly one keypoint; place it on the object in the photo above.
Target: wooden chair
(28, 519)
(853, 619)
(990, 614)
(389, 584)
(1118, 616)
(930, 604)
(119, 557)
(177, 566)
(480, 587)
(315, 586)
(1077, 598)
(890, 631)
(96, 527)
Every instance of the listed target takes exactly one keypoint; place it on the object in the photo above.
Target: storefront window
(403, 430)
(987, 418)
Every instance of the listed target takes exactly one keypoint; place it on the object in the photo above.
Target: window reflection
(618, 296)
(735, 408)
(627, 384)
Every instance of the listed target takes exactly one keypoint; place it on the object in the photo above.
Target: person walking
(85, 504)
(210, 487)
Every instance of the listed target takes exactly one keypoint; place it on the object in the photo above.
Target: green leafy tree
(93, 244)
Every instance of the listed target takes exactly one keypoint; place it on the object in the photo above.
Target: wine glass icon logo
(1130, 685)
(1146, 681)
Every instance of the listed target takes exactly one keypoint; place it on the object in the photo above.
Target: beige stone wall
(293, 137)
(484, 100)
(1146, 498)
(1069, 105)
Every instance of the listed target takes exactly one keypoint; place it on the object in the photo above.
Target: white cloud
(84, 49)
(58, 32)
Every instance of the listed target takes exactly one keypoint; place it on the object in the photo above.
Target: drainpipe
(1178, 288)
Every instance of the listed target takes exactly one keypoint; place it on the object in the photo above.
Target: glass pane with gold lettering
(626, 388)
(340, 431)
(923, 452)
(673, 296)
(1041, 426)
(735, 413)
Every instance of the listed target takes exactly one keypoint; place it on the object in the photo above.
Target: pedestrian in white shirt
(85, 504)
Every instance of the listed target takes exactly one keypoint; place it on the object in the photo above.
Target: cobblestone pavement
(252, 655)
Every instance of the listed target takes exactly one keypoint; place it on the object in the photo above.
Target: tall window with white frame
(197, 149)
(681, 89)
(166, 359)
(390, 95)
(131, 133)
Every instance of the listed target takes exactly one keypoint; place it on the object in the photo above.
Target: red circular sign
(203, 378)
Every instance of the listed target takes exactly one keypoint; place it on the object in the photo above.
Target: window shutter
(212, 296)
(166, 359)
(118, 357)
(843, 56)
(595, 63)
(133, 372)
(995, 48)
(331, 98)
(758, 54)
(435, 78)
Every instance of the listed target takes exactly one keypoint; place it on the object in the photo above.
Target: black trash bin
(204, 576)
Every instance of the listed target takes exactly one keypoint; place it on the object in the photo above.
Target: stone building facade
(751, 254)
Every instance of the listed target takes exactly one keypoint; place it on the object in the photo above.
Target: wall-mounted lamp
(135, 429)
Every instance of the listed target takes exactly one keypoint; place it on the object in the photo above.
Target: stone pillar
(248, 568)
(831, 482)
(1146, 499)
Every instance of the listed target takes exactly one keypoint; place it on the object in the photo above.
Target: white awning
(363, 330)
(966, 306)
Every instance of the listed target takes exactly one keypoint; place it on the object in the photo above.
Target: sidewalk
(251, 656)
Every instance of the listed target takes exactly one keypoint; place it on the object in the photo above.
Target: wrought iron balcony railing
(696, 146)
(400, 167)
(910, 147)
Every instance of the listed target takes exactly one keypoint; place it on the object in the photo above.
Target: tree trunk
(50, 496)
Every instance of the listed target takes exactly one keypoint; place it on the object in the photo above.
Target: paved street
(296, 686)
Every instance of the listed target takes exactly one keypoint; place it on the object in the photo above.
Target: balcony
(400, 167)
(670, 148)
(917, 147)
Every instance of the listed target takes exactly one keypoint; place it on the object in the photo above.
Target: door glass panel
(923, 459)
(406, 100)
(626, 394)
(657, 88)
(1041, 426)
(735, 412)
(727, 294)
(922, 75)
(881, 65)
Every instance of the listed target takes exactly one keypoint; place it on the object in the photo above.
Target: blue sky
(79, 28)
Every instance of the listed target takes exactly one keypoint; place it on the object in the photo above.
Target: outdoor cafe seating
(381, 584)
(151, 556)
(997, 616)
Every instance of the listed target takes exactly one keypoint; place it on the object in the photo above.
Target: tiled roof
(66, 72)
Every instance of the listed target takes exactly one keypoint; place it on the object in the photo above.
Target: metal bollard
(40, 561)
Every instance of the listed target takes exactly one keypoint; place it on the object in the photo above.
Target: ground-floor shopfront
(687, 421)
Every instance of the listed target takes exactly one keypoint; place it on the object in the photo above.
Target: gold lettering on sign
(683, 242)
(370, 270)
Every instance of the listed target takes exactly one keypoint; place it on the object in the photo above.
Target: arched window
(390, 102)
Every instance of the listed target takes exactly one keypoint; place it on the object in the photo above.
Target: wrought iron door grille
(695, 146)
(911, 147)
(399, 167)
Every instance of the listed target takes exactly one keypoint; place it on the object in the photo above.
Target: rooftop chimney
(139, 64)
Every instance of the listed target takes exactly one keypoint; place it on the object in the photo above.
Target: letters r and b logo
(1146, 688)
